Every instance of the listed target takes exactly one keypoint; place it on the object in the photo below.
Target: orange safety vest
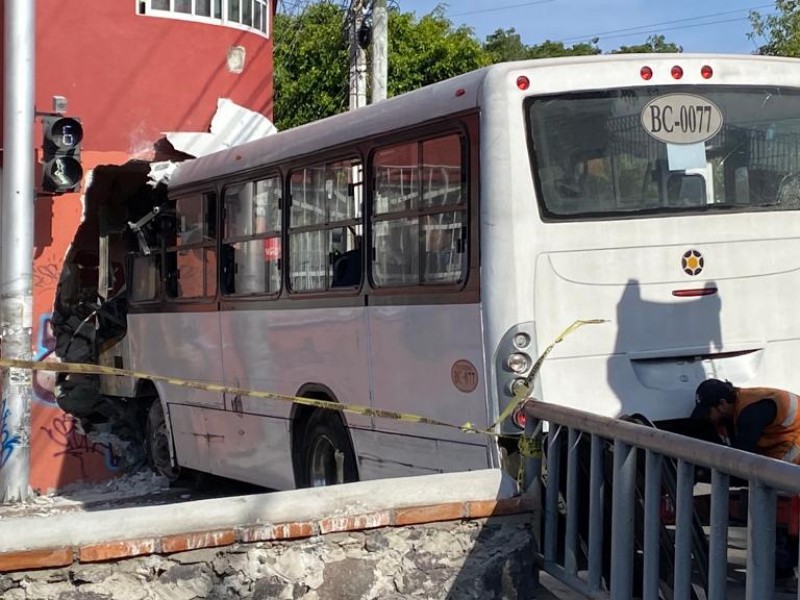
(781, 438)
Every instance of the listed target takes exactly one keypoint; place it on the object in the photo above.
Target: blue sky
(709, 26)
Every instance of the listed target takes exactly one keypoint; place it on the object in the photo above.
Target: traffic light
(61, 165)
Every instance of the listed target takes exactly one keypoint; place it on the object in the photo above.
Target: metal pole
(358, 57)
(16, 247)
(380, 50)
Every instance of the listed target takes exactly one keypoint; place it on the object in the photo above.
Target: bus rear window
(659, 150)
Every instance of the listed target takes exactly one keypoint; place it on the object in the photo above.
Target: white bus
(417, 254)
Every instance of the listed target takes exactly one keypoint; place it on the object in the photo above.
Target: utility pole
(380, 50)
(16, 247)
(358, 56)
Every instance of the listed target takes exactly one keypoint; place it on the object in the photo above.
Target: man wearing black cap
(761, 420)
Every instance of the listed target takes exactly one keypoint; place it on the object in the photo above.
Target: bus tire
(325, 437)
(157, 443)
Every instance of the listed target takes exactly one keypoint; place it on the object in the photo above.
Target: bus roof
(458, 94)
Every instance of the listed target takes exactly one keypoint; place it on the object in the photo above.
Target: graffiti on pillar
(72, 443)
(45, 277)
(44, 381)
(7, 441)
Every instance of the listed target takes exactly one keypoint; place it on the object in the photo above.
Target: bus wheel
(326, 456)
(157, 443)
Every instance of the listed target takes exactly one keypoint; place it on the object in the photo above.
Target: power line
(639, 28)
(499, 8)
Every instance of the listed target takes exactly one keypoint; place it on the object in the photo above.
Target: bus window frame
(213, 244)
(323, 158)
(456, 126)
(279, 234)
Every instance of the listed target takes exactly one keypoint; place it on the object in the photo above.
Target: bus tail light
(694, 293)
(518, 362)
(519, 417)
(646, 73)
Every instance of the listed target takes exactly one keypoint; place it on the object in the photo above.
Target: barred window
(419, 213)
(191, 251)
(251, 248)
(325, 228)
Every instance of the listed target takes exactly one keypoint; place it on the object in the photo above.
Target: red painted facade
(129, 78)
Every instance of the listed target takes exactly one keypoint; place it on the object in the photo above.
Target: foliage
(781, 29)
(311, 65)
(428, 50)
(506, 44)
(311, 59)
(654, 43)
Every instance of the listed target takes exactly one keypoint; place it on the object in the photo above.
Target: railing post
(573, 505)
(718, 541)
(551, 499)
(684, 513)
(652, 524)
(532, 479)
(622, 521)
(596, 514)
(761, 515)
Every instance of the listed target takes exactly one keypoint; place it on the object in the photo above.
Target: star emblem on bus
(692, 262)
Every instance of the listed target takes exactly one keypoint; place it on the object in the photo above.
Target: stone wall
(464, 559)
(451, 536)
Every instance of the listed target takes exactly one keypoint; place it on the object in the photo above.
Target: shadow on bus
(664, 349)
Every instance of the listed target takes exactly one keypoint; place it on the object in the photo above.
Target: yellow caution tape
(89, 369)
(523, 392)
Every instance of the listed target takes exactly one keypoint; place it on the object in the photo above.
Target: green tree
(311, 65)
(551, 49)
(504, 45)
(781, 29)
(654, 43)
(428, 50)
(312, 59)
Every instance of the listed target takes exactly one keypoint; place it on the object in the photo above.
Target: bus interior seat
(347, 269)
(789, 191)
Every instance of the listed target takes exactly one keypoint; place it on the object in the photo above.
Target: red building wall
(129, 78)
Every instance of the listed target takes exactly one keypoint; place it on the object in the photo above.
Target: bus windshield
(659, 150)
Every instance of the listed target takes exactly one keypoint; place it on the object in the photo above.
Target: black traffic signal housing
(61, 165)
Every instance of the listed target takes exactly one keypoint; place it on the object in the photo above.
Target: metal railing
(602, 467)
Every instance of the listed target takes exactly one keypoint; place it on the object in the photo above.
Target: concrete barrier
(461, 535)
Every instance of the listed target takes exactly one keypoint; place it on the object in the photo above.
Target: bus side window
(325, 226)
(419, 232)
(192, 257)
(251, 244)
(145, 279)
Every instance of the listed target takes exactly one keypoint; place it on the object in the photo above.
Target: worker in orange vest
(762, 420)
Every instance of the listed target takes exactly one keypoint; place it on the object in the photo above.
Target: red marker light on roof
(460, 92)
(677, 72)
(646, 73)
(523, 82)
(706, 72)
